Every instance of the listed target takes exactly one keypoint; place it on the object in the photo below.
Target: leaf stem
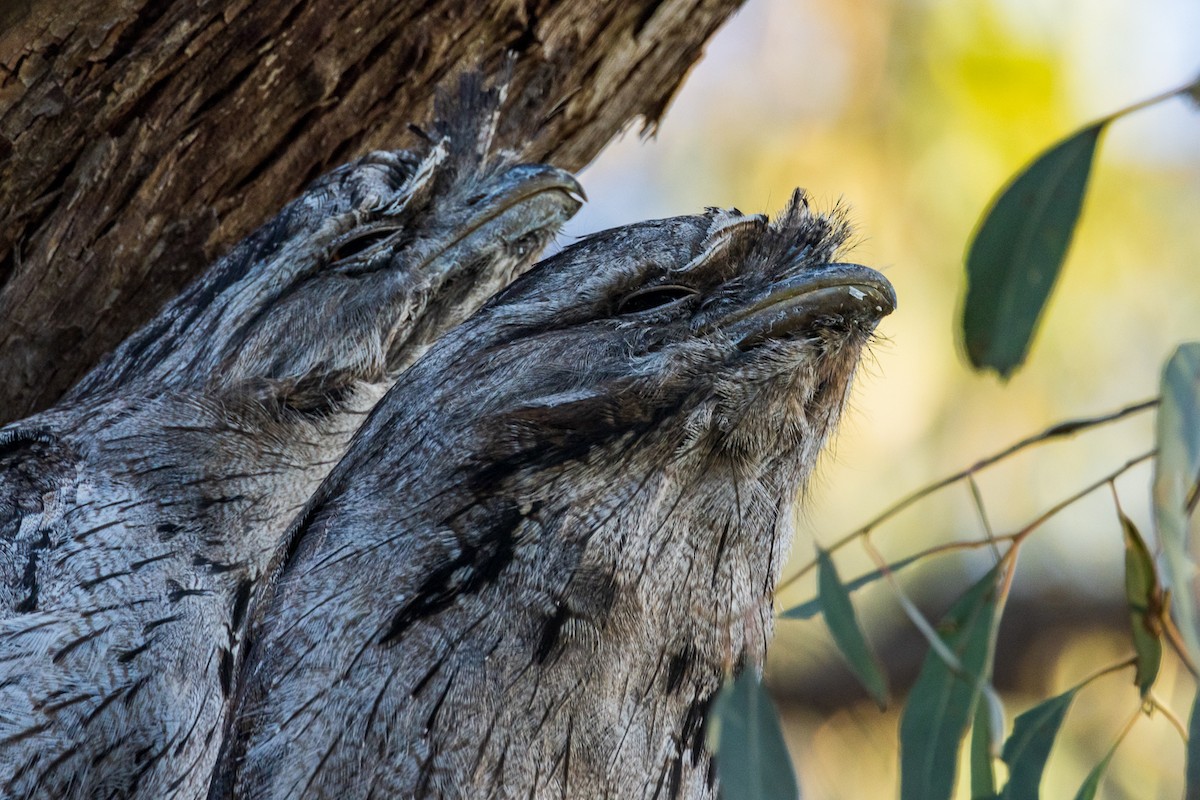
(1188, 88)
(1177, 723)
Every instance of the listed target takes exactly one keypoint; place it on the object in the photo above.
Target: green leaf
(752, 759)
(1092, 782)
(811, 608)
(983, 771)
(1018, 250)
(843, 624)
(942, 702)
(1193, 753)
(1144, 598)
(1175, 478)
(1028, 747)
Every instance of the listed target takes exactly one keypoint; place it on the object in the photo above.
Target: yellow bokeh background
(913, 113)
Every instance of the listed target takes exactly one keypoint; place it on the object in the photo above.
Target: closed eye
(654, 297)
(364, 241)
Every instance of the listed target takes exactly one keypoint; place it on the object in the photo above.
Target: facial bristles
(797, 234)
(794, 235)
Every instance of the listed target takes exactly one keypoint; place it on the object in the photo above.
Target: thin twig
(950, 547)
(933, 550)
(1170, 715)
(936, 643)
(914, 614)
(1100, 673)
(1082, 493)
(1175, 639)
(1187, 88)
(1060, 430)
(1128, 725)
(977, 498)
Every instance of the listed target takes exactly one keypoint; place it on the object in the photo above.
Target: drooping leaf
(847, 633)
(1018, 250)
(942, 702)
(1175, 485)
(1092, 782)
(1028, 747)
(1144, 598)
(1193, 753)
(810, 609)
(747, 743)
(983, 770)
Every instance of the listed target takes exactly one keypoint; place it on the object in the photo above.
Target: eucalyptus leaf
(1028, 747)
(811, 608)
(1018, 249)
(744, 732)
(943, 699)
(1193, 753)
(983, 770)
(847, 633)
(1144, 599)
(1175, 479)
(1092, 782)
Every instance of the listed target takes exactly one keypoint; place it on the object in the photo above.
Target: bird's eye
(526, 244)
(358, 244)
(653, 297)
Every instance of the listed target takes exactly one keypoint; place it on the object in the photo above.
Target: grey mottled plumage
(136, 516)
(546, 547)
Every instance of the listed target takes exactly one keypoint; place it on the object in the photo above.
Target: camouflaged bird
(546, 547)
(136, 516)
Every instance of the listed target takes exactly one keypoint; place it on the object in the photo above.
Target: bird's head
(653, 395)
(721, 335)
(352, 279)
(425, 237)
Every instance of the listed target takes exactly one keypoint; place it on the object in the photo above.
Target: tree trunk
(139, 139)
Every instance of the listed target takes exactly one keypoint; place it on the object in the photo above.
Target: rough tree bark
(139, 139)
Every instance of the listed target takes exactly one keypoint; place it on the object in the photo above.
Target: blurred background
(913, 113)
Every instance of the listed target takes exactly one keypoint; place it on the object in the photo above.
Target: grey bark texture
(137, 515)
(139, 140)
(553, 539)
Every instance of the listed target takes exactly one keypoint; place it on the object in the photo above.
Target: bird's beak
(851, 292)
